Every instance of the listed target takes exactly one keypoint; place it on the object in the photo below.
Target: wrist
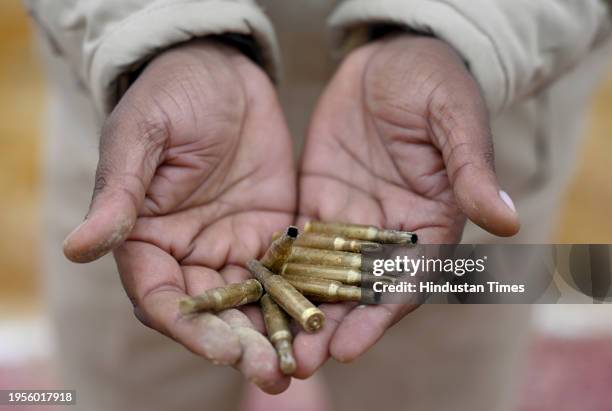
(438, 53)
(217, 51)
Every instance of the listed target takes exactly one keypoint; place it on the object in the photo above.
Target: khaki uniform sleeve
(513, 47)
(104, 40)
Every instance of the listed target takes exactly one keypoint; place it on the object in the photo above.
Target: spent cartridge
(279, 250)
(284, 294)
(323, 290)
(314, 256)
(349, 276)
(344, 275)
(332, 242)
(222, 298)
(279, 333)
(362, 232)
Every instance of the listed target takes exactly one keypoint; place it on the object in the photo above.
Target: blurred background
(571, 358)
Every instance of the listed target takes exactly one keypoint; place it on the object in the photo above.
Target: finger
(130, 151)
(462, 132)
(363, 327)
(154, 282)
(199, 279)
(259, 361)
(311, 350)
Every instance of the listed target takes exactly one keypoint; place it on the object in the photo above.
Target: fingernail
(506, 198)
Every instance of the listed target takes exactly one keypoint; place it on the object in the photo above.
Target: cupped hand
(195, 174)
(400, 139)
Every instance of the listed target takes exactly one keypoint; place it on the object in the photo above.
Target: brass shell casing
(345, 275)
(276, 255)
(279, 334)
(314, 256)
(222, 298)
(331, 242)
(348, 276)
(362, 232)
(325, 290)
(284, 294)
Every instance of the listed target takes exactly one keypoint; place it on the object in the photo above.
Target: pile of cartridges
(323, 264)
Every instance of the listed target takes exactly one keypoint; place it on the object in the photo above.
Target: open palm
(399, 139)
(195, 174)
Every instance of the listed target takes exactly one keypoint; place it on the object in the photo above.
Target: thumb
(464, 137)
(129, 155)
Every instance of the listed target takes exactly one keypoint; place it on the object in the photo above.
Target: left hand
(195, 174)
(399, 139)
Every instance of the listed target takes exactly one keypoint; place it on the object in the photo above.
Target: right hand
(400, 139)
(195, 174)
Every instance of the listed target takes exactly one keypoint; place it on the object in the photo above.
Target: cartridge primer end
(314, 320)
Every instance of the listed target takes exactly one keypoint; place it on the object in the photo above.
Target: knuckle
(152, 132)
(443, 109)
(488, 156)
(100, 182)
(103, 175)
(146, 124)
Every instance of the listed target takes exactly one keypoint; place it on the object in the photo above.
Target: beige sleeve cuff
(511, 47)
(141, 35)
